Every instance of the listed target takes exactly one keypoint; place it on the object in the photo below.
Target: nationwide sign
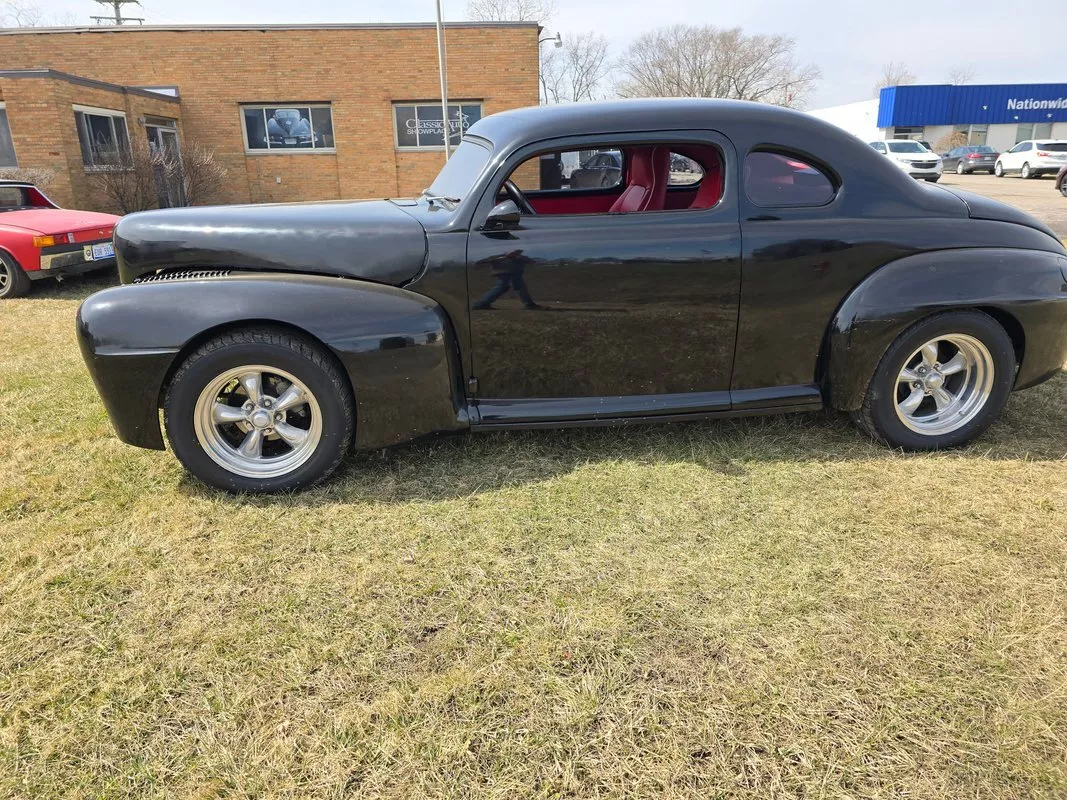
(1030, 104)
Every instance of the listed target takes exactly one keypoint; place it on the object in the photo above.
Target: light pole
(444, 81)
(558, 39)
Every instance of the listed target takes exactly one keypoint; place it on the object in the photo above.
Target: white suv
(911, 157)
(1033, 157)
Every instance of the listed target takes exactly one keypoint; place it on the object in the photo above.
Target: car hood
(982, 207)
(370, 239)
(56, 220)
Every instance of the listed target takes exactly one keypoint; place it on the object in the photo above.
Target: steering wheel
(516, 196)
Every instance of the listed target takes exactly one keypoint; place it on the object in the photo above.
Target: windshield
(1055, 147)
(458, 175)
(905, 146)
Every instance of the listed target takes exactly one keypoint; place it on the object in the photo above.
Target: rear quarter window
(776, 180)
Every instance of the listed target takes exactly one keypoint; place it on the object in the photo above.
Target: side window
(879, 146)
(1026, 146)
(773, 179)
(620, 179)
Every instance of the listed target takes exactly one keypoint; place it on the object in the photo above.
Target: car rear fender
(1026, 290)
(397, 347)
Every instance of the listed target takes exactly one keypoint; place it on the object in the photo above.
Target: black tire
(1025, 172)
(933, 180)
(274, 347)
(13, 281)
(1063, 187)
(998, 170)
(878, 416)
(960, 169)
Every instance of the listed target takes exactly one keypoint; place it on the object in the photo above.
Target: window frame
(287, 151)
(813, 162)
(728, 202)
(11, 136)
(430, 148)
(111, 114)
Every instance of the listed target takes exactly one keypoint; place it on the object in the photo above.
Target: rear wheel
(259, 410)
(1025, 172)
(13, 281)
(941, 383)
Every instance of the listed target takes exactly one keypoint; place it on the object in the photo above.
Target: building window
(294, 127)
(907, 132)
(7, 146)
(1033, 130)
(975, 134)
(102, 135)
(419, 126)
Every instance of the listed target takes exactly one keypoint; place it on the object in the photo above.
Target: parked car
(1033, 158)
(801, 271)
(1061, 181)
(38, 239)
(911, 157)
(926, 144)
(599, 170)
(970, 158)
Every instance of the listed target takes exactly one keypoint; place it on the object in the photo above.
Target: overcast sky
(848, 39)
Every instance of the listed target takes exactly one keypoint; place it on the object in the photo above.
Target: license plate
(290, 141)
(95, 252)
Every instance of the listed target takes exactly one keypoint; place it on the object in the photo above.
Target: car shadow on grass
(76, 288)
(1033, 427)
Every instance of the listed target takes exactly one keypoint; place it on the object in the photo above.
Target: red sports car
(38, 239)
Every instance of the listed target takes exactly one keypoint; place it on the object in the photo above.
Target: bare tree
(706, 61)
(895, 73)
(511, 10)
(28, 14)
(960, 75)
(577, 71)
(137, 178)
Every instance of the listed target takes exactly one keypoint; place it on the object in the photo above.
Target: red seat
(648, 172)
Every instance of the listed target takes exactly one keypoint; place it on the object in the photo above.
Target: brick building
(294, 112)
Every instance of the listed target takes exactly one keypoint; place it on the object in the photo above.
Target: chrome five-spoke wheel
(258, 421)
(944, 384)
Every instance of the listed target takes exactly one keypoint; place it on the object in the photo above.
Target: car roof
(25, 184)
(535, 123)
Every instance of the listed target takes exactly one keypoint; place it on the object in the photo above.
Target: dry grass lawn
(762, 608)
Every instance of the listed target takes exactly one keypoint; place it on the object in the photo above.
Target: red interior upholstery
(644, 164)
(648, 170)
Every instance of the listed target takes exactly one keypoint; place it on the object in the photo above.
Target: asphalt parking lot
(1037, 196)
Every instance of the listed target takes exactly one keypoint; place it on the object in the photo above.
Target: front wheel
(934, 180)
(259, 410)
(941, 383)
(959, 167)
(1025, 172)
(998, 170)
(1063, 187)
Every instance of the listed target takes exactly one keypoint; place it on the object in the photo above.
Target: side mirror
(503, 215)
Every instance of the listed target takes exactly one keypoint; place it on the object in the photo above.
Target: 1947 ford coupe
(788, 267)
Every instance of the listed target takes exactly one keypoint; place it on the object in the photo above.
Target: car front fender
(397, 347)
(1024, 289)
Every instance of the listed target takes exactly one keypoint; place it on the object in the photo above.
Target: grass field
(762, 608)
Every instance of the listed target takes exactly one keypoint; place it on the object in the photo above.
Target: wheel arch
(901, 293)
(397, 348)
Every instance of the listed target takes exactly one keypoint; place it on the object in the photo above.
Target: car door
(1013, 159)
(598, 315)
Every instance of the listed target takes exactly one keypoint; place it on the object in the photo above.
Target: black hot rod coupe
(792, 268)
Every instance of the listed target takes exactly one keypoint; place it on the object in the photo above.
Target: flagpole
(446, 130)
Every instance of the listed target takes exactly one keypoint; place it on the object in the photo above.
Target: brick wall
(360, 71)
